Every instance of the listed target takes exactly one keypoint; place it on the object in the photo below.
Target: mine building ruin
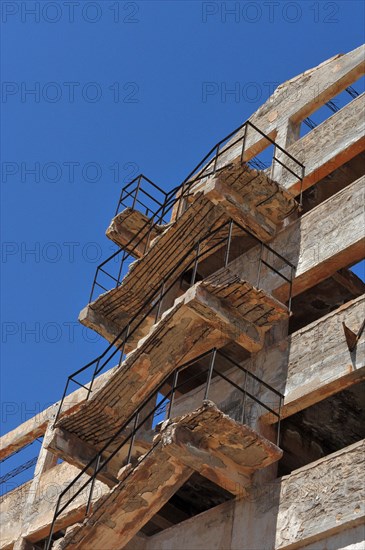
(227, 410)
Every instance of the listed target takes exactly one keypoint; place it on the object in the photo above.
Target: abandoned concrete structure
(227, 411)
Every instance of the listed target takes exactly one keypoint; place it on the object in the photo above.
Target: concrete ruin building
(227, 410)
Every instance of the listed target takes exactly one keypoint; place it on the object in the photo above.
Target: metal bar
(276, 271)
(274, 143)
(290, 289)
(228, 249)
(301, 188)
(273, 163)
(148, 236)
(125, 338)
(279, 421)
(193, 275)
(285, 166)
(216, 159)
(93, 378)
(220, 352)
(62, 400)
(120, 269)
(88, 507)
(210, 372)
(55, 515)
(260, 264)
(174, 384)
(108, 274)
(136, 193)
(78, 383)
(160, 302)
(243, 143)
(133, 436)
(243, 416)
(213, 352)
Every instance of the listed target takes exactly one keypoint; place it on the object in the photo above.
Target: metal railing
(152, 304)
(164, 406)
(176, 199)
(144, 195)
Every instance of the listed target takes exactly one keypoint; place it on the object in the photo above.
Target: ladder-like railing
(144, 195)
(175, 200)
(160, 409)
(152, 304)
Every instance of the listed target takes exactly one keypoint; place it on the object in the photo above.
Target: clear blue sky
(119, 90)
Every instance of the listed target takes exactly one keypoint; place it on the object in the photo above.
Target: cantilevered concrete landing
(253, 191)
(237, 192)
(205, 440)
(208, 315)
(130, 229)
(235, 186)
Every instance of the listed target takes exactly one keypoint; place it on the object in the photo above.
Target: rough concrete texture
(309, 507)
(223, 450)
(37, 518)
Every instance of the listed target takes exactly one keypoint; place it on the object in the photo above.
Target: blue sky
(118, 89)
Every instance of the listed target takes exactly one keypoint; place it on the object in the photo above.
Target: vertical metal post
(260, 263)
(121, 268)
(148, 236)
(97, 463)
(174, 384)
(160, 219)
(49, 540)
(290, 288)
(133, 436)
(279, 420)
(125, 338)
(137, 191)
(243, 143)
(273, 164)
(195, 268)
(62, 400)
(216, 159)
(301, 188)
(92, 379)
(93, 285)
(181, 198)
(160, 301)
(243, 416)
(210, 373)
(229, 239)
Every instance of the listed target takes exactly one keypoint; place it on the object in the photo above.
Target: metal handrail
(142, 185)
(120, 341)
(179, 193)
(98, 462)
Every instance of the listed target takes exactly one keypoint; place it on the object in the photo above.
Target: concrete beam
(230, 448)
(308, 366)
(208, 448)
(294, 100)
(315, 244)
(40, 514)
(131, 227)
(327, 147)
(307, 507)
(65, 445)
(36, 426)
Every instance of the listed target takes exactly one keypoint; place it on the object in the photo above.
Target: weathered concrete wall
(280, 116)
(11, 508)
(306, 367)
(325, 148)
(352, 539)
(38, 517)
(312, 504)
(316, 244)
